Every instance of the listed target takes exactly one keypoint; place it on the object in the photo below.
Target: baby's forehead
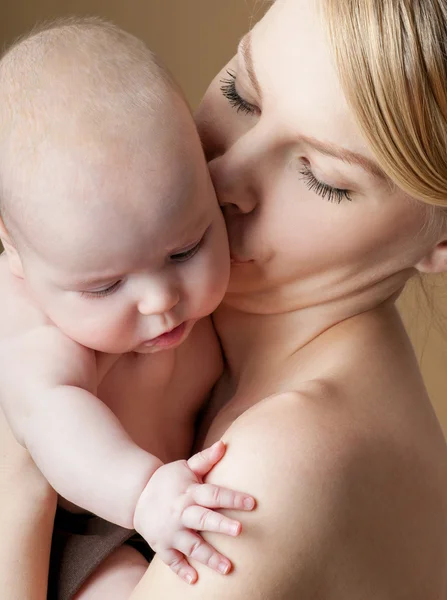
(126, 224)
(82, 193)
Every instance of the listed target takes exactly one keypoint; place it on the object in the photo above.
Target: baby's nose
(158, 300)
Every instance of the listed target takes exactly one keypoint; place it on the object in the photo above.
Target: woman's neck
(253, 341)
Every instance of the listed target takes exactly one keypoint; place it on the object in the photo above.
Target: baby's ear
(436, 260)
(14, 260)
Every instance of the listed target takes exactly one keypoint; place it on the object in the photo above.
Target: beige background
(195, 38)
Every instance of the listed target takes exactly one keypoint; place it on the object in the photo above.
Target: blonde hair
(392, 60)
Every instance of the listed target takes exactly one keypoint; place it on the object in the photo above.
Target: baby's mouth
(170, 338)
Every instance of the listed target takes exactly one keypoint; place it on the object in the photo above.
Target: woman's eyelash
(228, 89)
(324, 190)
(101, 293)
(332, 194)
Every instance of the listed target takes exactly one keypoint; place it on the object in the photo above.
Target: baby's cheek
(218, 276)
(115, 335)
(103, 330)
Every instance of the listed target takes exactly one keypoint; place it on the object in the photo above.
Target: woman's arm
(338, 516)
(285, 544)
(27, 506)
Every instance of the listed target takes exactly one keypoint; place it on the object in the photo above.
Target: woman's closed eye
(228, 89)
(103, 291)
(332, 194)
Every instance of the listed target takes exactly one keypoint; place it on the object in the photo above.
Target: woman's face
(311, 217)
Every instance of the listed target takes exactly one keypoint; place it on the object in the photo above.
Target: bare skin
(117, 257)
(362, 506)
(28, 505)
(321, 405)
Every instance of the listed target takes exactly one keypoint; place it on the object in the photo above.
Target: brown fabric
(80, 544)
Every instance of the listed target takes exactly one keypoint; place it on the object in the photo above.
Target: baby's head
(107, 208)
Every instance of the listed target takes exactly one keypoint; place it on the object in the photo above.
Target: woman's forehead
(294, 64)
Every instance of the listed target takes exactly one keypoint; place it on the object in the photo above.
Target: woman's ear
(14, 260)
(435, 261)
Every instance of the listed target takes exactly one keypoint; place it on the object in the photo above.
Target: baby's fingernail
(189, 579)
(249, 503)
(234, 528)
(223, 567)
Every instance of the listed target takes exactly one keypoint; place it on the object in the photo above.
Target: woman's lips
(237, 260)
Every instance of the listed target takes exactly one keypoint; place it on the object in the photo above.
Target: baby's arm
(84, 452)
(86, 455)
(48, 393)
(75, 439)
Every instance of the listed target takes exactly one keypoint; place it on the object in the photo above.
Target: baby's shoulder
(30, 343)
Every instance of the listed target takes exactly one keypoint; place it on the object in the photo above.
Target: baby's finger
(202, 462)
(178, 563)
(194, 546)
(203, 519)
(214, 496)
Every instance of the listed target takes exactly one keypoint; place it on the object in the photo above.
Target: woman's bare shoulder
(281, 539)
(338, 515)
(298, 438)
(334, 490)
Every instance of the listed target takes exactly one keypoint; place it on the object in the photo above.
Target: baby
(115, 253)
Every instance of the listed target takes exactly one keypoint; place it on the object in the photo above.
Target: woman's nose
(237, 175)
(158, 299)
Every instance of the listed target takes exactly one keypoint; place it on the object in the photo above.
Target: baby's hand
(176, 504)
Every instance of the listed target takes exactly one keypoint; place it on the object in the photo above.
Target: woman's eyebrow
(245, 50)
(328, 149)
(346, 156)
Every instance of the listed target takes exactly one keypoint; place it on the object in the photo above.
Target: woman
(327, 142)
(28, 506)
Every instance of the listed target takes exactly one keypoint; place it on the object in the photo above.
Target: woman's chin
(245, 278)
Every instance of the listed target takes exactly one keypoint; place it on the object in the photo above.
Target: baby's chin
(143, 350)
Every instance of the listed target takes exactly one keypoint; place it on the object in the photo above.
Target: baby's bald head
(81, 83)
(104, 189)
